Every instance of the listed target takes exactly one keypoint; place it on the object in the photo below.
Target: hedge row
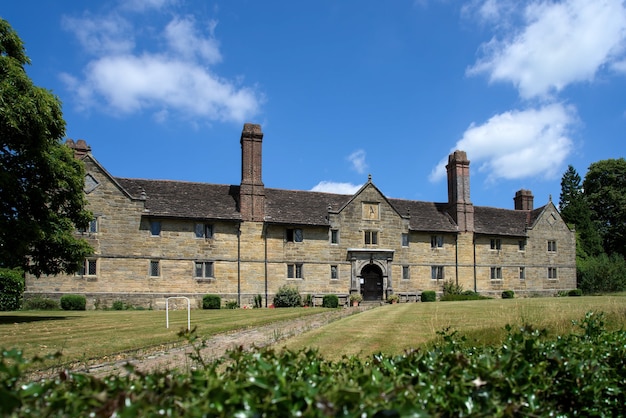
(530, 374)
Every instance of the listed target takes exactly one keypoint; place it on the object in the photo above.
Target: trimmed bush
(575, 292)
(211, 302)
(38, 303)
(73, 302)
(508, 294)
(287, 297)
(463, 296)
(11, 289)
(450, 287)
(429, 296)
(231, 304)
(118, 305)
(330, 301)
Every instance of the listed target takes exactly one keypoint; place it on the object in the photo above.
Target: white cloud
(357, 159)
(560, 43)
(174, 81)
(518, 144)
(143, 5)
(335, 187)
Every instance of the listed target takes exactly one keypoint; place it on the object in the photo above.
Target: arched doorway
(372, 286)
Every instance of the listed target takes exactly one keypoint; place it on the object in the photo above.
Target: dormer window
(294, 235)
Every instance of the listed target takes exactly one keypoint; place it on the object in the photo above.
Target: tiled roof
(495, 221)
(185, 199)
(181, 199)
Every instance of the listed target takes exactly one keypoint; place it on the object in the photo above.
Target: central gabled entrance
(372, 284)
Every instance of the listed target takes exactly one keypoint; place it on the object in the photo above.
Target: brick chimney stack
(524, 200)
(460, 206)
(252, 190)
(80, 147)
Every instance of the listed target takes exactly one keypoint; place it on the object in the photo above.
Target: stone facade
(155, 239)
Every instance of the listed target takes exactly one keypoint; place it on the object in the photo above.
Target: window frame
(334, 272)
(406, 272)
(552, 247)
(437, 273)
(521, 245)
(334, 236)
(203, 269)
(495, 244)
(522, 273)
(370, 237)
(151, 268)
(553, 273)
(154, 226)
(495, 274)
(404, 240)
(295, 271)
(86, 268)
(436, 241)
(295, 235)
(207, 230)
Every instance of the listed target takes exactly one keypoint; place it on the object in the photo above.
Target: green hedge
(73, 302)
(39, 303)
(211, 302)
(529, 374)
(11, 289)
(330, 301)
(429, 296)
(508, 294)
(575, 292)
(287, 297)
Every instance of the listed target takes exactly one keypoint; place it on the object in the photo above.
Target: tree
(575, 211)
(605, 192)
(41, 183)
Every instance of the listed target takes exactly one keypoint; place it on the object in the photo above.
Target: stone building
(154, 239)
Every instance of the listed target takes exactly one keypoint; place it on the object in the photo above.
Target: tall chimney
(80, 147)
(459, 205)
(524, 200)
(252, 190)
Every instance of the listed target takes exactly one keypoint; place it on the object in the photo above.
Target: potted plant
(393, 298)
(356, 298)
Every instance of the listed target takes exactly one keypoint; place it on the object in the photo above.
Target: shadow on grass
(14, 319)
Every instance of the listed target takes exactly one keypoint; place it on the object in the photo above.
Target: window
(334, 236)
(371, 238)
(155, 268)
(496, 273)
(496, 244)
(436, 272)
(522, 273)
(406, 273)
(405, 240)
(522, 245)
(334, 272)
(203, 269)
(89, 268)
(155, 228)
(204, 231)
(551, 246)
(294, 235)
(436, 241)
(294, 271)
(552, 273)
(92, 228)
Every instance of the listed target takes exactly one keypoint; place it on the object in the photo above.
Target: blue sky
(160, 89)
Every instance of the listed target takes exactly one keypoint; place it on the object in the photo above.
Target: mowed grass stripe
(394, 328)
(86, 335)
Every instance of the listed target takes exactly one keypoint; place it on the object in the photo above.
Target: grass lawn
(393, 328)
(85, 335)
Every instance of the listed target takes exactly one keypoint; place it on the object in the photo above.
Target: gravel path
(216, 346)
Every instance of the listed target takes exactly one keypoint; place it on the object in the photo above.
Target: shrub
(231, 304)
(575, 292)
(450, 287)
(463, 296)
(258, 301)
(429, 296)
(73, 302)
(393, 298)
(211, 302)
(41, 304)
(11, 289)
(308, 300)
(508, 294)
(330, 301)
(118, 305)
(601, 274)
(287, 297)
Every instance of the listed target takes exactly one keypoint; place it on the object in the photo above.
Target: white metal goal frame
(167, 311)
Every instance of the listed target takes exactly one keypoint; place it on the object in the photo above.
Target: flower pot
(355, 303)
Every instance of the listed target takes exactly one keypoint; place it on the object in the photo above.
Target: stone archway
(372, 284)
